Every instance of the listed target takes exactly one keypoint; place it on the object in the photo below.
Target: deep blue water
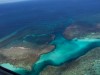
(43, 13)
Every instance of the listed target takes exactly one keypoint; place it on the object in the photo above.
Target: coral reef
(34, 52)
(23, 32)
(82, 30)
(22, 57)
(88, 64)
(80, 33)
(23, 51)
(65, 51)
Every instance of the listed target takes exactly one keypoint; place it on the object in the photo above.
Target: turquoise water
(13, 68)
(65, 51)
(50, 18)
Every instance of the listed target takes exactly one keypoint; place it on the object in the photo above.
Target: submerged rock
(82, 30)
(88, 64)
(39, 39)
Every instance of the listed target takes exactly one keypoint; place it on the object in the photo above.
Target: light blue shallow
(65, 51)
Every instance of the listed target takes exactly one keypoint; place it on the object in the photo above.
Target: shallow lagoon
(65, 51)
(51, 18)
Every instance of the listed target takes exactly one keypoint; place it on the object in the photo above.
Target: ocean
(16, 15)
(49, 17)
